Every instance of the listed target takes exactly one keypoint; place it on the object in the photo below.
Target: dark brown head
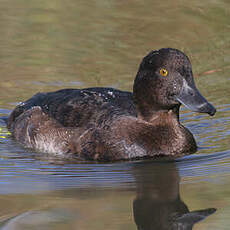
(165, 81)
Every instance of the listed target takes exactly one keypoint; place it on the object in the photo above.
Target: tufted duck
(106, 124)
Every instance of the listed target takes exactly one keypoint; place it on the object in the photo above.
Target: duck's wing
(77, 108)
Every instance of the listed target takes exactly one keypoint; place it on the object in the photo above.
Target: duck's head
(165, 81)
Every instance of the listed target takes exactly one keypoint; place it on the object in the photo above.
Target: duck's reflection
(158, 204)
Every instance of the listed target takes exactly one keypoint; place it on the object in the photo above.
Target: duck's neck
(150, 114)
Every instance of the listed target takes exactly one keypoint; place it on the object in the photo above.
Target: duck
(107, 124)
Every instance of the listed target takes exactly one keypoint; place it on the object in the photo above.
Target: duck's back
(77, 108)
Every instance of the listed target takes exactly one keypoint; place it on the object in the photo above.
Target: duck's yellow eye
(163, 72)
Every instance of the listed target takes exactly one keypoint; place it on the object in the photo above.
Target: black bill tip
(206, 108)
(212, 111)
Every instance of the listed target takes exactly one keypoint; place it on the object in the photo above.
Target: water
(48, 45)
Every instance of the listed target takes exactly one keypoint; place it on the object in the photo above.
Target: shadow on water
(157, 203)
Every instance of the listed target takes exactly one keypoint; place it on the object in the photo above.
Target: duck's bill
(190, 97)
